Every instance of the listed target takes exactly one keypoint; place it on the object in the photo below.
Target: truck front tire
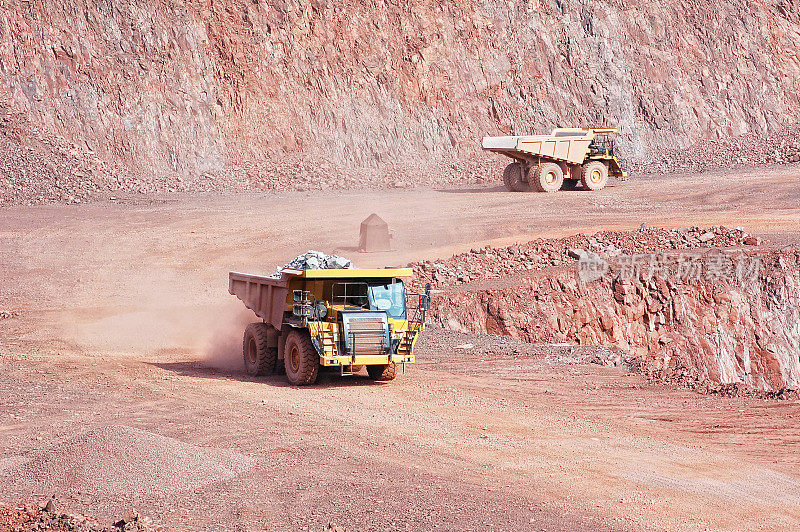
(259, 357)
(594, 175)
(382, 372)
(300, 359)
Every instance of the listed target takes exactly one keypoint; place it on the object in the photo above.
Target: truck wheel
(300, 359)
(594, 175)
(259, 358)
(512, 178)
(382, 372)
(547, 177)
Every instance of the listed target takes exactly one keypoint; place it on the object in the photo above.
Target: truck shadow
(612, 182)
(201, 370)
(472, 190)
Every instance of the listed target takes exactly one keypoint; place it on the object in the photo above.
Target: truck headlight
(322, 309)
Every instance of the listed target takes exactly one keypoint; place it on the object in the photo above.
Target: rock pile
(740, 151)
(315, 260)
(38, 167)
(496, 263)
(125, 461)
(33, 174)
(693, 379)
(29, 518)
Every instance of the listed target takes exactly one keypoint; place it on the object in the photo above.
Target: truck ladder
(328, 344)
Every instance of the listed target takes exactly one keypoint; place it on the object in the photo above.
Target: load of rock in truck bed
(315, 260)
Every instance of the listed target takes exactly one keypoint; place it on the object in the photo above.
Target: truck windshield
(390, 297)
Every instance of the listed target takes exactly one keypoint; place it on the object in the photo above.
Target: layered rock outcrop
(730, 315)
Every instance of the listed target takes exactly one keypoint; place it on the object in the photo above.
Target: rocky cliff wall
(731, 329)
(270, 91)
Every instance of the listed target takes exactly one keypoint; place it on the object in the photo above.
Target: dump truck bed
(570, 145)
(267, 296)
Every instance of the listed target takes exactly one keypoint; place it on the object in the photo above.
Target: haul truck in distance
(333, 318)
(546, 163)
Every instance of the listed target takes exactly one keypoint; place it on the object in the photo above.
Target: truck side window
(352, 294)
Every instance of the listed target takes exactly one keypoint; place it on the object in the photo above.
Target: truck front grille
(366, 333)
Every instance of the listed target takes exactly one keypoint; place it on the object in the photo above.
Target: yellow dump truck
(333, 318)
(567, 156)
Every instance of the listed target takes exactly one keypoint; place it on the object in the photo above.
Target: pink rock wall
(399, 88)
(730, 332)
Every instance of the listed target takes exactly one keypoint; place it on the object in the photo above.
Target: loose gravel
(122, 460)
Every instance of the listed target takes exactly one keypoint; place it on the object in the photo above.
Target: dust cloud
(208, 333)
(223, 346)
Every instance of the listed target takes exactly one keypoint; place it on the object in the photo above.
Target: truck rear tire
(382, 372)
(594, 175)
(547, 177)
(259, 357)
(512, 178)
(300, 359)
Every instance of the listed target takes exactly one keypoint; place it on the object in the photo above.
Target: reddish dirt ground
(117, 309)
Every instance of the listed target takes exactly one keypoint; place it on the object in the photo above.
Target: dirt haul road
(117, 323)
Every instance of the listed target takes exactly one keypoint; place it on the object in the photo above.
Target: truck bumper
(366, 360)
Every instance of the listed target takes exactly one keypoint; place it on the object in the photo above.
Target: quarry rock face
(728, 331)
(284, 93)
(698, 299)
